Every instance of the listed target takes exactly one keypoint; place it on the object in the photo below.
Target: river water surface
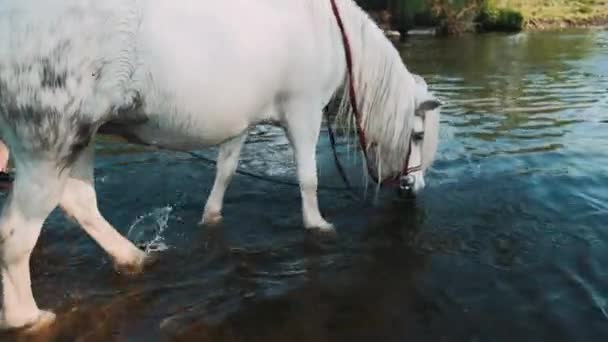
(509, 241)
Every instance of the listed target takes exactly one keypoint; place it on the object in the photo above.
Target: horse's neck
(384, 88)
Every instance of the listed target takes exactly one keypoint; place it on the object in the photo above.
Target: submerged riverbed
(509, 241)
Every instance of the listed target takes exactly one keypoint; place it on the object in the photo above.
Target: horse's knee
(16, 243)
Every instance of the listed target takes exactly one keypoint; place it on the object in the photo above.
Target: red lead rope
(351, 88)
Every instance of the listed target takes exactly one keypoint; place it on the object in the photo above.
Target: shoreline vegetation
(399, 18)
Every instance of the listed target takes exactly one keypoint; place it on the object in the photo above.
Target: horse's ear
(429, 105)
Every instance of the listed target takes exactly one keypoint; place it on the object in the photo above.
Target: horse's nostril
(407, 182)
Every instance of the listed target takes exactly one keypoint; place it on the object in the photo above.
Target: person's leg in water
(5, 178)
(4, 154)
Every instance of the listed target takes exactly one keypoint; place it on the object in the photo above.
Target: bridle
(400, 180)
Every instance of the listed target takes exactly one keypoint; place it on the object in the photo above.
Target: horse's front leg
(303, 123)
(227, 162)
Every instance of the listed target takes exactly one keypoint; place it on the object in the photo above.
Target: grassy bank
(452, 17)
(550, 14)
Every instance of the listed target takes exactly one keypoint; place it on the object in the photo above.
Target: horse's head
(423, 132)
(423, 146)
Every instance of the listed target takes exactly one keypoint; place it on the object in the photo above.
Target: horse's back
(223, 66)
(211, 51)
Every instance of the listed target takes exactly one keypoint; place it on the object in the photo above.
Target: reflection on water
(508, 242)
(528, 87)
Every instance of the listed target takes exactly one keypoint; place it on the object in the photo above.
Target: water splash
(146, 232)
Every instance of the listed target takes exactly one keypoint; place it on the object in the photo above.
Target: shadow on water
(508, 241)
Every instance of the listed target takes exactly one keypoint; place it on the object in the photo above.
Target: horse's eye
(418, 136)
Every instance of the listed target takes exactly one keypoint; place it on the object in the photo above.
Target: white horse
(184, 75)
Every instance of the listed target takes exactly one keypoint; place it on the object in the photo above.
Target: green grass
(556, 10)
(500, 19)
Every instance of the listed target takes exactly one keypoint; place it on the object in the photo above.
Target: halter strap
(351, 87)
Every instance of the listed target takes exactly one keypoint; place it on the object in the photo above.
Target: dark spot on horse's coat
(43, 130)
(51, 77)
(82, 138)
(60, 133)
(97, 74)
(4, 237)
(39, 130)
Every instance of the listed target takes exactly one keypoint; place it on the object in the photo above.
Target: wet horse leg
(303, 123)
(79, 201)
(36, 191)
(227, 162)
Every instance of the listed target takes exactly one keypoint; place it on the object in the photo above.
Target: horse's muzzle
(406, 183)
(411, 185)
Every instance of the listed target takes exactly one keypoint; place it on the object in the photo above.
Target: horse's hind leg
(36, 191)
(227, 162)
(79, 201)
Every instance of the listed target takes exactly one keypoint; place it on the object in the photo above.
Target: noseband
(399, 180)
(402, 179)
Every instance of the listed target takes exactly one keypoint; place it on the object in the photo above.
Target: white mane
(385, 89)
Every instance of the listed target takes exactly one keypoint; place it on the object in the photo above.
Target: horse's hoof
(322, 227)
(211, 218)
(45, 320)
(40, 321)
(136, 266)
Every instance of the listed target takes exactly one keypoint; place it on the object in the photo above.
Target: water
(508, 242)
